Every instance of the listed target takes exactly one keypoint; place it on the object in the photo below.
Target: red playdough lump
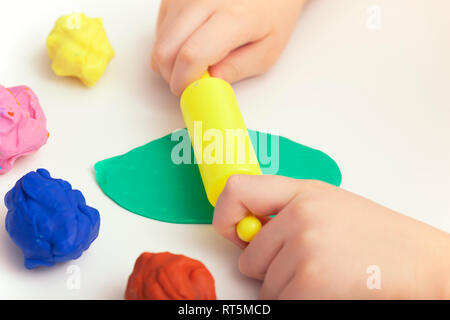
(167, 276)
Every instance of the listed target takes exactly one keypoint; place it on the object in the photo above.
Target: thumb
(262, 195)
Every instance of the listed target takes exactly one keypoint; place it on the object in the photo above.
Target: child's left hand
(236, 38)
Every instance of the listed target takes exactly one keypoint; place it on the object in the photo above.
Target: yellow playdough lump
(78, 46)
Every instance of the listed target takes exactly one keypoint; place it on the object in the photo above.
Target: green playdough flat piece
(147, 182)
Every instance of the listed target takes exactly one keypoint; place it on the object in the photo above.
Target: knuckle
(309, 272)
(233, 184)
(303, 213)
(188, 54)
(308, 238)
(318, 184)
(311, 187)
(238, 9)
(161, 54)
(302, 207)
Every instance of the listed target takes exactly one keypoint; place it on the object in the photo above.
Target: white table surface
(377, 101)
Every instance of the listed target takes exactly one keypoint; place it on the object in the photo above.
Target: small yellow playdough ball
(247, 228)
(78, 47)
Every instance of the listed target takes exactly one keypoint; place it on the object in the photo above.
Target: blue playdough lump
(49, 220)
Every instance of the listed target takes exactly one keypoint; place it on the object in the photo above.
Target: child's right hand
(236, 38)
(323, 240)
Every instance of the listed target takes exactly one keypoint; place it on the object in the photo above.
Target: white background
(377, 101)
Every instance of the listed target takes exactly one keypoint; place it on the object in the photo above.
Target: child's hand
(323, 240)
(238, 38)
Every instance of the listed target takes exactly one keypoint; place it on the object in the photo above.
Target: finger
(174, 32)
(258, 255)
(250, 60)
(280, 271)
(263, 195)
(301, 288)
(290, 290)
(162, 13)
(211, 43)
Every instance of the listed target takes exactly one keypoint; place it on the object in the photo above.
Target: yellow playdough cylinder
(220, 139)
